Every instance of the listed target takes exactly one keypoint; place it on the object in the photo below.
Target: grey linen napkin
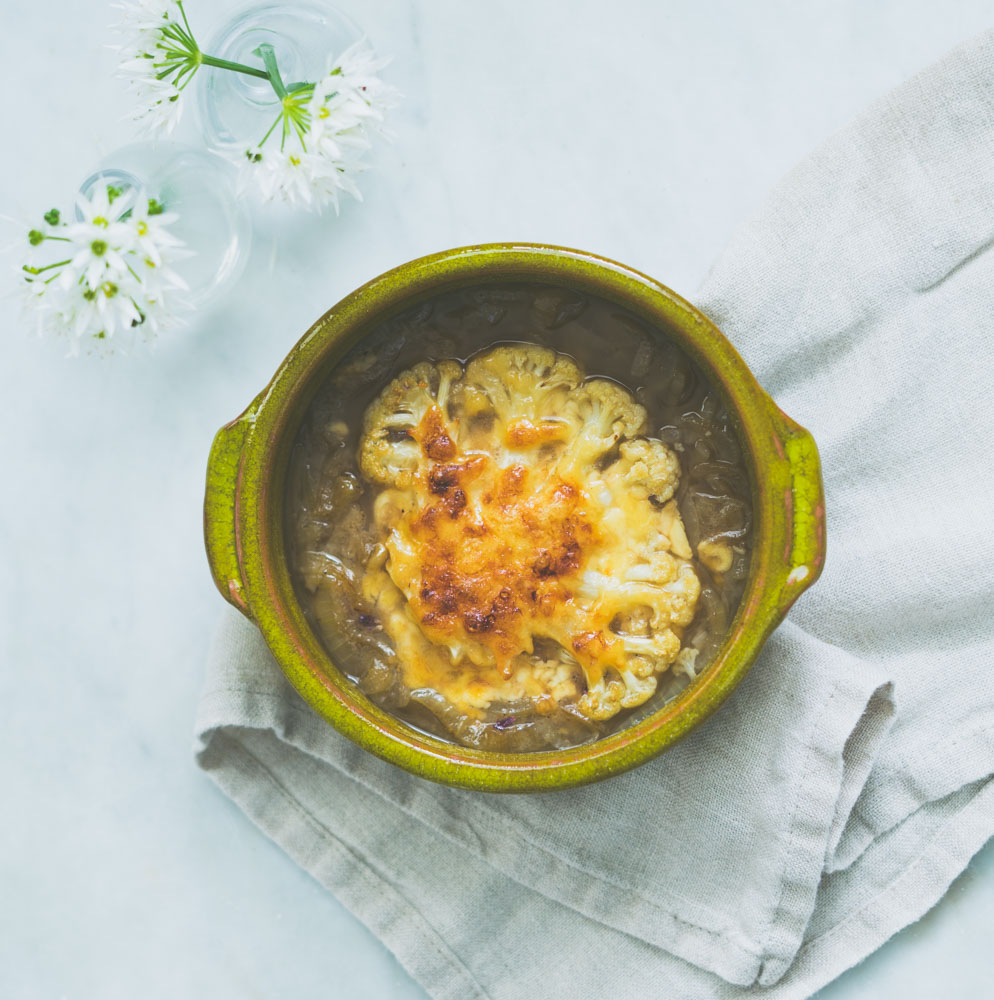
(849, 779)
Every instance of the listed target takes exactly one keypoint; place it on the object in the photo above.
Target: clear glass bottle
(236, 110)
(198, 186)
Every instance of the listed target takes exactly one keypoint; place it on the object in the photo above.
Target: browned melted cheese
(497, 535)
(496, 551)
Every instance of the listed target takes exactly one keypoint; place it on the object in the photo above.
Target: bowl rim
(788, 516)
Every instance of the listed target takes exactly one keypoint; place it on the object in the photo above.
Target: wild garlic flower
(325, 129)
(354, 80)
(113, 280)
(159, 57)
(315, 148)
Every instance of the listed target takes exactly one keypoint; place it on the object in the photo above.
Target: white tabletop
(640, 130)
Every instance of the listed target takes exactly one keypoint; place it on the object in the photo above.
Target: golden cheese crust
(531, 548)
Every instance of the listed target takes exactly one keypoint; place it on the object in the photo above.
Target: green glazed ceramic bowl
(243, 516)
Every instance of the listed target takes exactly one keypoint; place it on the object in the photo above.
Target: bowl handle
(804, 499)
(220, 509)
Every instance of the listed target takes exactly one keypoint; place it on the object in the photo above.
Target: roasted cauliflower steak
(531, 547)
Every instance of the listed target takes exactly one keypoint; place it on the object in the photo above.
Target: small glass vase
(199, 188)
(237, 110)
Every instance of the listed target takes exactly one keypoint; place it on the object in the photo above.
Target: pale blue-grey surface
(639, 130)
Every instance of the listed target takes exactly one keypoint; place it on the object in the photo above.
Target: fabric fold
(620, 889)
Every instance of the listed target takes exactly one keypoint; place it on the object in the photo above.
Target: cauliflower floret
(388, 451)
(638, 690)
(648, 468)
(684, 593)
(642, 584)
(658, 649)
(603, 700)
(525, 387)
(519, 376)
(637, 605)
(603, 413)
(636, 620)
(632, 686)
(639, 644)
(656, 566)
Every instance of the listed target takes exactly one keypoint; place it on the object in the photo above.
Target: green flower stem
(268, 56)
(279, 118)
(189, 30)
(47, 267)
(237, 67)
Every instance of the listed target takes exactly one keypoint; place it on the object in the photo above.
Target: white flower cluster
(158, 59)
(314, 149)
(327, 128)
(114, 275)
